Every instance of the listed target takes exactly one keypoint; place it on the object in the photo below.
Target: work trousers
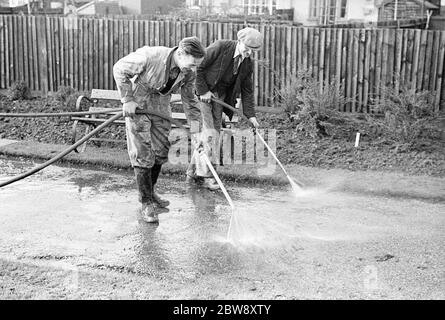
(211, 120)
(147, 135)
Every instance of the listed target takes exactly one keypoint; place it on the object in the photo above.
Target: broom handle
(261, 138)
(218, 180)
(271, 152)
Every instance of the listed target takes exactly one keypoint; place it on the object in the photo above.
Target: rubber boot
(190, 173)
(211, 184)
(145, 188)
(155, 171)
(192, 181)
(150, 213)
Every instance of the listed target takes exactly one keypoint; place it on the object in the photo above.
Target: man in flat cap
(225, 73)
(145, 80)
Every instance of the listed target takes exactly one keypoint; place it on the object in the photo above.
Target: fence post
(49, 52)
(2, 54)
(440, 93)
(43, 58)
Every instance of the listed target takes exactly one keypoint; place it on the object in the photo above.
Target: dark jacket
(218, 57)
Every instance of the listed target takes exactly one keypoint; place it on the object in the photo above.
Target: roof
(427, 4)
(85, 5)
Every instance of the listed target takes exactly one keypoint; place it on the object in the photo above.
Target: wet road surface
(321, 243)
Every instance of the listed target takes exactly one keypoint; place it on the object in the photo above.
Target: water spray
(233, 218)
(296, 186)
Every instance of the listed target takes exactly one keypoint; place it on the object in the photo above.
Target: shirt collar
(237, 52)
(170, 61)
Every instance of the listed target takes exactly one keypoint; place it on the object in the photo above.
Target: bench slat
(175, 115)
(94, 109)
(114, 95)
(120, 122)
(105, 94)
(94, 120)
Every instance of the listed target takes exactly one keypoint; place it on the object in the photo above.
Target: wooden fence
(48, 52)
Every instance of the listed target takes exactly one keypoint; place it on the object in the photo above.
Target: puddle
(92, 217)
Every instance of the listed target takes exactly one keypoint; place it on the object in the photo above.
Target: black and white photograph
(224, 156)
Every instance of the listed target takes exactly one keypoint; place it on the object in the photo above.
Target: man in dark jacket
(225, 73)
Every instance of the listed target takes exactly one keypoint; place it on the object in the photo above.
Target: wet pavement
(320, 243)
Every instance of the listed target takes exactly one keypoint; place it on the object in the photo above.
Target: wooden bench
(112, 96)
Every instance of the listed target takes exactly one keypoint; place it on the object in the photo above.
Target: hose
(63, 153)
(78, 143)
(85, 113)
(60, 114)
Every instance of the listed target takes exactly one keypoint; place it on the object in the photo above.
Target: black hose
(60, 114)
(85, 113)
(63, 153)
(85, 138)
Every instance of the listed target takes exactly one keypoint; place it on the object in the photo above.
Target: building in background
(406, 9)
(233, 7)
(37, 3)
(100, 8)
(44, 3)
(321, 12)
(136, 7)
(96, 7)
(4, 7)
(37, 6)
(328, 12)
(437, 3)
(306, 12)
(438, 20)
(17, 3)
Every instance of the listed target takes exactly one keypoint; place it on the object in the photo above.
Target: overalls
(149, 68)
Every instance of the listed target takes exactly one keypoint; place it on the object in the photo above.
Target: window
(343, 5)
(331, 11)
(313, 9)
(327, 11)
(259, 6)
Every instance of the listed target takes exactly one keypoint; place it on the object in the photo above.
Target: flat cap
(252, 38)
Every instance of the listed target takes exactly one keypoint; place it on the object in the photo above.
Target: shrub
(64, 93)
(313, 105)
(68, 96)
(18, 91)
(406, 115)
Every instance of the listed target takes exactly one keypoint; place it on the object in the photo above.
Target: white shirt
(238, 53)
